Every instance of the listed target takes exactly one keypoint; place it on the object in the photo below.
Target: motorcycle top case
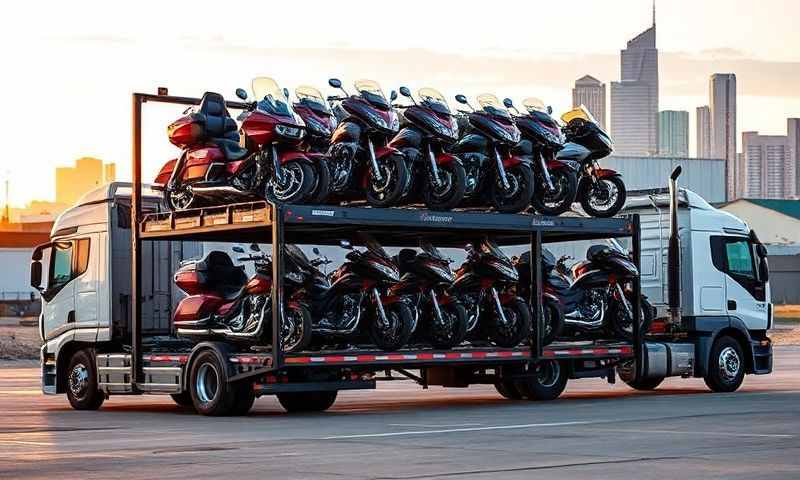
(187, 130)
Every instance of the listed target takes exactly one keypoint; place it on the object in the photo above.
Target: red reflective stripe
(167, 358)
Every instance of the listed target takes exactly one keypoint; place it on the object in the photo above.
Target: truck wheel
(507, 389)
(726, 365)
(645, 384)
(245, 397)
(547, 381)
(183, 399)
(301, 402)
(81, 381)
(211, 393)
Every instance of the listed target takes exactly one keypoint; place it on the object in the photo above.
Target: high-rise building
(634, 99)
(591, 93)
(768, 166)
(722, 105)
(703, 132)
(109, 172)
(673, 133)
(793, 136)
(73, 182)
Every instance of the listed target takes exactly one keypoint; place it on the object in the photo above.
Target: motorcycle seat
(224, 277)
(595, 251)
(220, 128)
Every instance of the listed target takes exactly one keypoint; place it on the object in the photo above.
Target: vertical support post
(638, 350)
(277, 284)
(536, 292)
(136, 245)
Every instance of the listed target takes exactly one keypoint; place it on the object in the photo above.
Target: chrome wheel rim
(553, 198)
(79, 380)
(380, 188)
(207, 382)
(603, 195)
(180, 198)
(292, 331)
(729, 363)
(547, 373)
(446, 186)
(293, 182)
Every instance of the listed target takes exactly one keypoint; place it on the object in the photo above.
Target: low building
(777, 222)
(17, 297)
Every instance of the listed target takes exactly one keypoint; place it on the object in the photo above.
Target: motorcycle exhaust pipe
(674, 252)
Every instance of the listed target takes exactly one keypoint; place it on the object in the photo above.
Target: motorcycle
(436, 176)
(361, 287)
(427, 280)
(320, 123)
(553, 312)
(223, 302)
(485, 285)
(490, 135)
(595, 294)
(601, 191)
(214, 168)
(359, 157)
(556, 180)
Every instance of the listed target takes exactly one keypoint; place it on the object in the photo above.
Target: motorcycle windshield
(297, 255)
(580, 112)
(433, 99)
(371, 91)
(270, 98)
(533, 104)
(431, 250)
(375, 247)
(312, 98)
(488, 246)
(490, 104)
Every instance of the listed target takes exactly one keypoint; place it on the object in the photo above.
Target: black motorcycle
(553, 312)
(428, 127)
(556, 180)
(595, 294)
(426, 280)
(493, 171)
(485, 285)
(601, 191)
(360, 288)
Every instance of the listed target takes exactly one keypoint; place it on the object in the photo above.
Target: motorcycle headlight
(395, 122)
(289, 131)
(390, 272)
(318, 127)
(379, 121)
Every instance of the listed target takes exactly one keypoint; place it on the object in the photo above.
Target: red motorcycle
(223, 302)
(215, 168)
(320, 123)
(359, 157)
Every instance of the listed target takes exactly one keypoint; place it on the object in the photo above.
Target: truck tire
(726, 365)
(208, 382)
(183, 399)
(546, 382)
(645, 384)
(507, 389)
(304, 402)
(245, 397)
(81, 382)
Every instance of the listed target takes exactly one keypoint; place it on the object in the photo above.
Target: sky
(71, 66)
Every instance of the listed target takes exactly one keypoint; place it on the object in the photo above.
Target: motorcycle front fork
(436, 308)
(501, 170)
(374, 161)
(624, 301)
(499, 306)
(546, 173)
(276, 164)
(376, 295)
(434, 167)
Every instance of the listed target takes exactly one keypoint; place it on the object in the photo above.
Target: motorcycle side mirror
(237, 249)
(404, 91)
(241, 93)
(393, 96)
(286, 92)
(346, 244)
(254, 247)
(335, 83)
(549, 110)
(508, 103)
(461, 99)
(316, 251)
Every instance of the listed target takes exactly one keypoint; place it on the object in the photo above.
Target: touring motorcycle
(320, 122)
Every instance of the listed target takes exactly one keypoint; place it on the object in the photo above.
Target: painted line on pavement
(459, 430)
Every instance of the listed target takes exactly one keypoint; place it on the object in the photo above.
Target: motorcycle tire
(179, 198)
(520, 178)
(322, 187)
(566, 182)
(452, 334)
(554, 321)
(447, 197)
(401, 320)
(302, 182)
(292, 342)
(393, 168)
(518, 314)
(621, 324)
(587, 191)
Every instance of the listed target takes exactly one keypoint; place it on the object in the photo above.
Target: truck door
(745, 291)
(59, 295)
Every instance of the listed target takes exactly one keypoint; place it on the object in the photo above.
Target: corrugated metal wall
(784, 273)
(706, 177)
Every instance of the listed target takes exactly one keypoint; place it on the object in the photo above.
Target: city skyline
(718, 36)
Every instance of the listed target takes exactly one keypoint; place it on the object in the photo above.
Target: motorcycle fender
(390, 299)
(514, 160)
(385, 151)
(166, 172)
(561, 165)
(446, 158)
(292, 155)
(445, 299)
(606, 173)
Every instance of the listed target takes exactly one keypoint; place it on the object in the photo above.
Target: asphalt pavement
(400, 431)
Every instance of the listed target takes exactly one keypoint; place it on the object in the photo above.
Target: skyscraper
(634, 99)
(722, 105)
(769, 166)
(703, 132)
(793, 136)
(109, 172)
(673, 133)
(73, 182)
(591, 93)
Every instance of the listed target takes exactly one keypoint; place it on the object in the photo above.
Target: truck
(105, 279)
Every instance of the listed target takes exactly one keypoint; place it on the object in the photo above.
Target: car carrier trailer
(92, 350)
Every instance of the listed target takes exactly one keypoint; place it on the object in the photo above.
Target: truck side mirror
(36, 275)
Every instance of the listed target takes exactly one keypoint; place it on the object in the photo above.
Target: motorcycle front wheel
(296, 328)
(322, 185)
(298, 181)
(396, 332)
(559, 200)
(553, 321)
(520, 189)
(452, 330)
(394, 179)
(622, 323)
(517, 326)
(449, 193)
(179, 198)
(602, 199)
